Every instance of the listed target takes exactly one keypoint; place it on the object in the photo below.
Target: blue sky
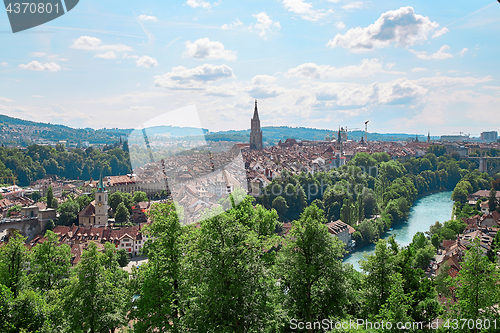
(413, 66)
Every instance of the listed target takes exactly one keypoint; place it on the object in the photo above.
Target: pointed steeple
(100, 188)
(429, 136)
(255, 112)
(255, 132)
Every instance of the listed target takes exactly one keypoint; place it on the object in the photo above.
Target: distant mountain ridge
(271, 134)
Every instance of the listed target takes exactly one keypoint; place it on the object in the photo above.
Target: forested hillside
(38, 161)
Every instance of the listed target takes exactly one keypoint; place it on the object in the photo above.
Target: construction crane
(13, 178)
(366, 130)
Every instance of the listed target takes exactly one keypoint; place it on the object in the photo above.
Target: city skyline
(408, 67)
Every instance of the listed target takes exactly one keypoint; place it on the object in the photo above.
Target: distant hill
(25, 132)
(272, 134)
(18, 131)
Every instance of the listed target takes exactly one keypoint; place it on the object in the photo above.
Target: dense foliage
(371, 192)
(231, 274)
(36, 162)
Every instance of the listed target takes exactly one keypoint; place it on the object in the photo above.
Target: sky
(406, 66)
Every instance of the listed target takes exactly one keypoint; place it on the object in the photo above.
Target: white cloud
(367, 67)
(265, 25)
(126, 56)
(95, 44)
(464, 50)
(50, 57)
(37, 96)
(445, 82)
(236, 23)
(440, 32)
(4, 64)
(4, 99)
(340, 25)
(108, 55)
(147, 18)
(305, 10)
(147, 62)
(37, 66)
(495, 88)
(264, 86)
(199, 3)
(38, 54)
(354, 5)
(439, 55)
(419, 69)
(402, 27)
(352, 96)
(203, 49)
(194, 78)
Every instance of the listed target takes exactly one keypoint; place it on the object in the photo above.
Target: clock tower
(101, 205)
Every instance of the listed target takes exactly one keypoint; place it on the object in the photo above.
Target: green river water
(425, 212)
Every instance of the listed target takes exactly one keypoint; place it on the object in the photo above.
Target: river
(425, 212)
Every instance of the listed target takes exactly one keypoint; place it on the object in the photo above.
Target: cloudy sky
(407, 66)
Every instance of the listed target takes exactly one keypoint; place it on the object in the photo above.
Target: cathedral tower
(255, 132)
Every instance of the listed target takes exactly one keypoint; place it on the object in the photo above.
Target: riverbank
(425, 212)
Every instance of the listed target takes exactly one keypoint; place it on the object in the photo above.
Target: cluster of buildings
(78, 238)
(452, 252)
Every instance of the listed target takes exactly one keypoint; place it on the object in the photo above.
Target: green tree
(123, 258)
(15, 208)
(6, 298)
(438, 150)
(310, 269)
(50, 263)
(461, 192)
(398, 306)
(50, 225)
(348, 212)
(229, 278)
(279, 203)
(458, 226)
(476, 286)
(122, 213)
(68, 212)
(159, 307)
(140, 196)
(379, 267)
(114, 200)
(13, 262)
(83, 201)
(35, 196)
(492, 200)
(94, 304)
(50, 197)
(30, 312)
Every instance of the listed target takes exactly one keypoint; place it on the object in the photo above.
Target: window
(99, 197)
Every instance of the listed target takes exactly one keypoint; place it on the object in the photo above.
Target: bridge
(483, 163)
(30, 223)
(28, 227)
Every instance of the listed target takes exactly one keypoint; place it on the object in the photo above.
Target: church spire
(255, 131)
(255, 112)
(101, 185)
